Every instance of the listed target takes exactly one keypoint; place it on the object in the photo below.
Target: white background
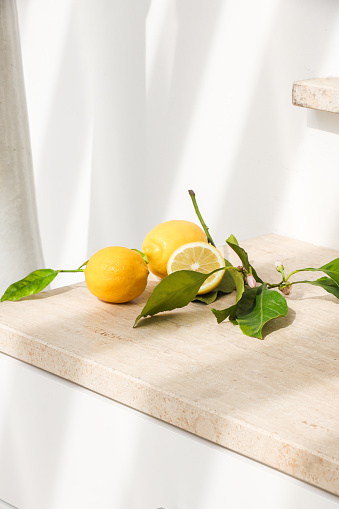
(133, 102)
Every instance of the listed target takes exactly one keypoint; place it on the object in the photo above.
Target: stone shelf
(317, 93)
(274, 401)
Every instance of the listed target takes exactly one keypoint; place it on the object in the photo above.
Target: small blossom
(251, 281)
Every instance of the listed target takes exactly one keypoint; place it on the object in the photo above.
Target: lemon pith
(165, 238)
(200, 257)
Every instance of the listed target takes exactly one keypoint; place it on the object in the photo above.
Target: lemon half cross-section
(201, 257)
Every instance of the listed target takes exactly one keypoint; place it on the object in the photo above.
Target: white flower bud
(251, 281)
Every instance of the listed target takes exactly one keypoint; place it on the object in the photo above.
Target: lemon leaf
(269, 304)
(246, 303)
(174, 291)
(233, 243)
(207, 298)
(331, 269)
(240, 308)
(257, 306)
(222, 314)
(327, 284)
(226, 285)
(238, 281)
(33, 283)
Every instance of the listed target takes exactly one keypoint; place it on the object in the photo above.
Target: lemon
(200, 257)
(165, 238)
(116, 274)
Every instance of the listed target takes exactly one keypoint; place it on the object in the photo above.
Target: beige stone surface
(317, 93)
(275, 401)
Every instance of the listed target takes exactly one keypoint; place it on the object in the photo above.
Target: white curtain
(20, 248)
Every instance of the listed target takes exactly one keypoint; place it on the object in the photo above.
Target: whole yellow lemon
(116, 274)
(165, 238)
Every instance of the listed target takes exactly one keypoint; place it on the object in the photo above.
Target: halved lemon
(201, 257)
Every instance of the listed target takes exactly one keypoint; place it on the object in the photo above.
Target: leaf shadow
(46, 294)
(326, 298)
(189, 316)
(279, 323)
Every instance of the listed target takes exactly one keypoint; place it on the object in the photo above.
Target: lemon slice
(201, 257)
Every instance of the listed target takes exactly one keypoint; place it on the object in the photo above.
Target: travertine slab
(317, 93)
(275, 401)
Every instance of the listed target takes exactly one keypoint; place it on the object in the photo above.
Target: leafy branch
(257, 302)
(35, 282)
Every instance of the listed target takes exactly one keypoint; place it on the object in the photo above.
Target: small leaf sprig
(35, 282)
(257, 302)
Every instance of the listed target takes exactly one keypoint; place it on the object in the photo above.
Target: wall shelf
(317, 93)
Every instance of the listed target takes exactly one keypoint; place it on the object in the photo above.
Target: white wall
(133, 102)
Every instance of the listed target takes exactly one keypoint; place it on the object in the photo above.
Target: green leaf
(332, 270)
(141, 254)
(222, 314)
(206, 298)
(243, 306)
(327, 284)
(174, 291)
(233, 243)
(269, 304)
(226, 285)
(238, 281)
(33, 283)
(247, 302)
(256, 277)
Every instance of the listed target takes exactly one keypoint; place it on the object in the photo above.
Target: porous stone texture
(317, 93)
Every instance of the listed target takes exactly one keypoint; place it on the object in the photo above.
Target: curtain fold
(20, 245)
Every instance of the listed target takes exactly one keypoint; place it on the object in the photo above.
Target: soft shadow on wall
(113, 40)
(180, 44)
(274, 165)
(142, 121)
(220, 118)
(323, 121)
